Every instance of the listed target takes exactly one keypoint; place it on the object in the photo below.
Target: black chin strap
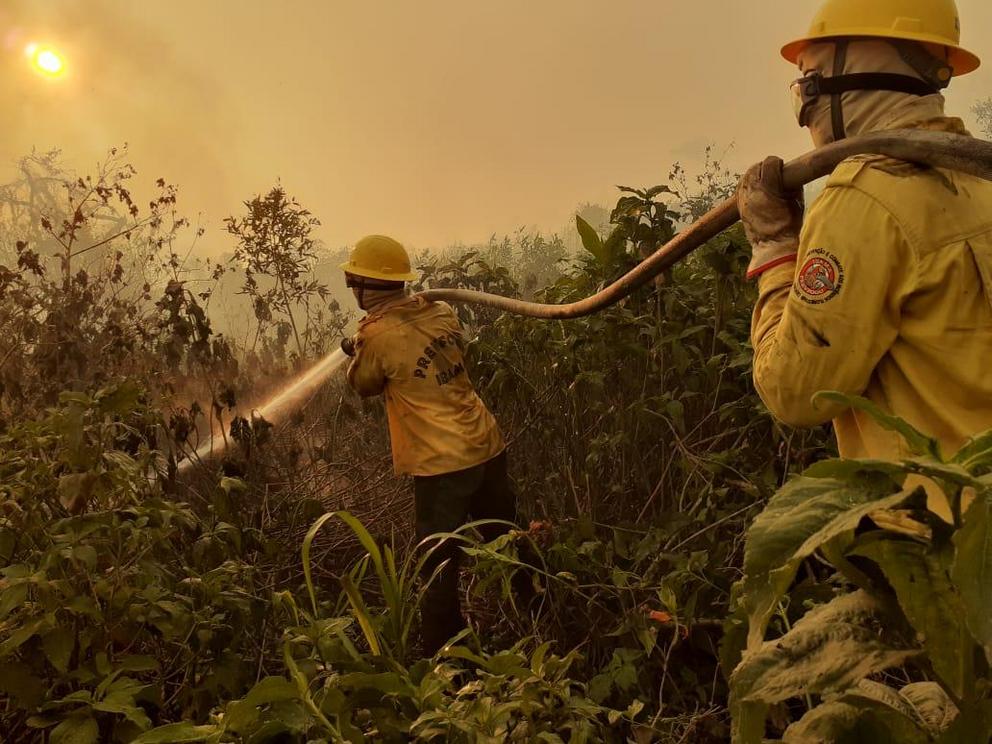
(931, 68)
(836, 97)
(839, 84)
(888, 81)
(362, 283)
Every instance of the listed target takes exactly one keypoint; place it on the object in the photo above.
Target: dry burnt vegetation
(271, 597)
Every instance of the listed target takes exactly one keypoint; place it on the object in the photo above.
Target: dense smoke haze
(440, 122)
(427, 383)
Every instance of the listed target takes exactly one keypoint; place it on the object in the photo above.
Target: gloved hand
(772, 216)
(348, 346)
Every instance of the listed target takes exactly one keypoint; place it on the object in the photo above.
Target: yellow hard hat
(926, 21)
(380, 257)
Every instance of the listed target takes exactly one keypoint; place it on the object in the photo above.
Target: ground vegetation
(700, 571)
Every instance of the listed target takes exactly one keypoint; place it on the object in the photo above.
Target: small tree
(80, 265)
(275, 241)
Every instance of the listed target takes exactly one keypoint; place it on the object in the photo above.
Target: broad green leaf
(271, 690)
(240, 716)
(132, 712)
(919, 443)
(591, 240)
(233, 485)
(179, 733)
(386, 683)
(514, 665)
(931, 603)
(829, 650)
(840, 469)
(75, 730)
(846, 722)
(12, 598)
(615, 245)
(22, 635)
(976, 455)
(87, 555)
(460, 652)
(276, 730)
(799, 519)
(59, 643)
(953, 474)
(972, 571)
(120, 399)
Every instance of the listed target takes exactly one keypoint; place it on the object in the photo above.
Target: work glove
(348, 346)
(772, 216)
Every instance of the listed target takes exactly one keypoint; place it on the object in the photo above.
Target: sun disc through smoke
(45, 60)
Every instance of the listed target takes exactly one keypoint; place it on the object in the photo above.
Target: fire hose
(936, 149)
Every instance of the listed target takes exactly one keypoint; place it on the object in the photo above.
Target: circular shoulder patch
(820, 279)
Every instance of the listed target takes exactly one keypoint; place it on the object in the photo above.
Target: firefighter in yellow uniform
(885, 289)
(441, 433)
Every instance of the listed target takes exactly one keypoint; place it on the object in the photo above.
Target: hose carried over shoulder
(937, 149)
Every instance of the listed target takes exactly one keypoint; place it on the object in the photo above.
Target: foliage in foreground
(336, 692)
(898, 643)
(144, 610)
(117, 601)
(638, 442)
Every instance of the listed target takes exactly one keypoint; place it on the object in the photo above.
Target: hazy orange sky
(437, 121)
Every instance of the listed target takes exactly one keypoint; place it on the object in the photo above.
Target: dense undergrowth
(272, 598)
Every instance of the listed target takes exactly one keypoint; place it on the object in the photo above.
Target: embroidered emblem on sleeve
(820, 279)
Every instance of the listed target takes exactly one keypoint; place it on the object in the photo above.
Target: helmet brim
(960, 59)
(386, 276)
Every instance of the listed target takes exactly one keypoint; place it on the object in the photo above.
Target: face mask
(360, 284)
(807, 90)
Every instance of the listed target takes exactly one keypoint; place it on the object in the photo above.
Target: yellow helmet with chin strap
(925, 21)
(381, 258)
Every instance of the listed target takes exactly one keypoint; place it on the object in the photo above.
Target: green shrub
(899, 644)
(117, 603)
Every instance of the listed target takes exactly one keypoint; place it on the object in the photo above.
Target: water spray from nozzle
(278, 407)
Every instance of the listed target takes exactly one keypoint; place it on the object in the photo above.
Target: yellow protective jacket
(890, 299)
(411, 350)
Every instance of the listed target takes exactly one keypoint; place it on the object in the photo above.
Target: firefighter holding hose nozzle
(884, 290)
(410, 350)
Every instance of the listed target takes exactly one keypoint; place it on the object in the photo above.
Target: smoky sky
(437, 121)
(126, 83)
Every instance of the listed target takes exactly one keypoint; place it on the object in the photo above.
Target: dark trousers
(443, 504)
